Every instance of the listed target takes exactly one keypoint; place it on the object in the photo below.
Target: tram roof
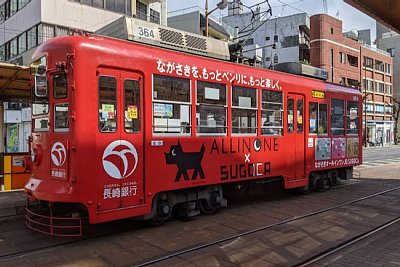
(14, 82)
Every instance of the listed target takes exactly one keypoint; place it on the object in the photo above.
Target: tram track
(270, 226)
(348, 243)
(70, 243)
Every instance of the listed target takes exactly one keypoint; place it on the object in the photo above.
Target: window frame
(189, 104)
(244, 108)
(343, 133)
(125, 105)
(115, 108)
(61, 130)
(225, 106)
(348, 120)
(263, 128)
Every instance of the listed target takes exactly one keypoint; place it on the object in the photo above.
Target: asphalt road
(381, 154)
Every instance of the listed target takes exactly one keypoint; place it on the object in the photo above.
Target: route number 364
(142, 31)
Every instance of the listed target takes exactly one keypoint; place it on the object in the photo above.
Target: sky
(351, 17)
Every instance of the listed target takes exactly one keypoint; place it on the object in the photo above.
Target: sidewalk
(12, 203)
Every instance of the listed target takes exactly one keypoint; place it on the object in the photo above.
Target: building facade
(193, 20)
(281, 39)
(25, 24)
(353, 63)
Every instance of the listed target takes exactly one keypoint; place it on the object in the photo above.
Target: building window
(353, 83)
(331, 30)
(141, 11)
(379, 109)
(342, 57)
(388, 110)
(154, 16)
(369, 84)
(13, 48)
(276, 60)
(45, 32)
(388, 89)
(211, 108)
(368, 62)
(352, 118)
(275, 38)
(380, 87)
(379, 66)
(244, 110)
(171, 105)
(267, 38)
(370, 108)
(388, 68)
(337, 117)
(32, 37)
(99, 3)
(353, 61)
(22, 43)
(271, 112)
(249, 41)
(268, 59)
(2, 53)
(2, 13)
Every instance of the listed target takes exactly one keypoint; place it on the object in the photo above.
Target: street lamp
(221, 5)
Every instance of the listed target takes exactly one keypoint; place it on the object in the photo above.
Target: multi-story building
(25, 24)
(281, 39)
(351, 62)
(389, 40)
(193, 20)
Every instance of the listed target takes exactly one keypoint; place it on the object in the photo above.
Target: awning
(386, 12)
(14, 83)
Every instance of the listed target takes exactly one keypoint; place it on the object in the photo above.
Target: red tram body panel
(123, 123)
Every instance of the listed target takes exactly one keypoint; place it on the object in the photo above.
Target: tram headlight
(33, 154)
(36, 155)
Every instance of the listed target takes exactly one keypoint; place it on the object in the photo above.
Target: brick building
(352, 63)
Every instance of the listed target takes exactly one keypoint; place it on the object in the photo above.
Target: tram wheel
(206, 207)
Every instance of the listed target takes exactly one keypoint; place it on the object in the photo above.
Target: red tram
(123, 129)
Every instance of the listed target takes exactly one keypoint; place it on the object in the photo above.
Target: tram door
(295, 132)
(119, 140)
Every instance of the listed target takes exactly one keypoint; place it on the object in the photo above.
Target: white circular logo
(58, 154)
(120, 150)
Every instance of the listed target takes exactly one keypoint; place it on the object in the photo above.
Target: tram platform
(12, 203)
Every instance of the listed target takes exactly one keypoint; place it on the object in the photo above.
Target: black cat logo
(185, 161)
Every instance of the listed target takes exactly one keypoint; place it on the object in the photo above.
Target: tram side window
(337, 117)
(171, 105)
(40, 114)
(61, 117)
(290, 115)
(318, 118)
(132, 106)
(299, 116)
(271, 113)
(352, 118)
(211, 108)
(60, 86)
(107, 104)
(244, 110)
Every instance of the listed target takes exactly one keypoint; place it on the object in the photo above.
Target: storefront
(380, 133)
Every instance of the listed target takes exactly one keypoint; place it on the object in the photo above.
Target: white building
(25, 24)
(282, 39)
